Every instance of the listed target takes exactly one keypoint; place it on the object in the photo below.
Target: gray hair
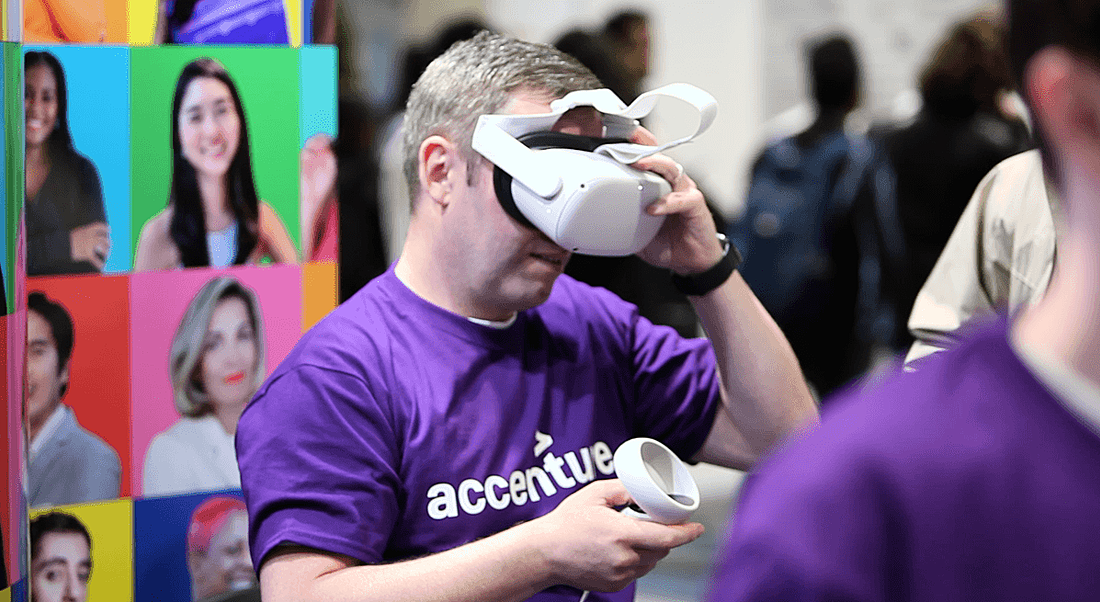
(187, 348)
(477, 77)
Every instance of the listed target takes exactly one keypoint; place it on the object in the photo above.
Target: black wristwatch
(698, 285)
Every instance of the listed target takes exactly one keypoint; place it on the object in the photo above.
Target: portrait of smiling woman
(216, 364)
(214, 216)
(65, 218)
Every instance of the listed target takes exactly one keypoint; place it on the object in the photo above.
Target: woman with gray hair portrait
(216, 363)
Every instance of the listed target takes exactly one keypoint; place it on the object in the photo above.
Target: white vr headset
(578, 190)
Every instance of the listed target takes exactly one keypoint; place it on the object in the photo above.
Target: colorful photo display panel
(181, 233)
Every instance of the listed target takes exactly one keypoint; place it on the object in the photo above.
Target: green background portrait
(267, 81)
(13, 178)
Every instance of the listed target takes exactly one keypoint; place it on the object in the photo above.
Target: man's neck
(420, 269)
(36, 422)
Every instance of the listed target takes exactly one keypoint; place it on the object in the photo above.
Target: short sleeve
(317, 455)
(677, 386)
(819, 521)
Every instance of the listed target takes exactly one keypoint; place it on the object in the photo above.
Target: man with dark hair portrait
(61, 558)
(68, 464)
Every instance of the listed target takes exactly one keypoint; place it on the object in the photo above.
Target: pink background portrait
(157, 303)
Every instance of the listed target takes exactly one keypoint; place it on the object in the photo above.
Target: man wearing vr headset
(446, 433)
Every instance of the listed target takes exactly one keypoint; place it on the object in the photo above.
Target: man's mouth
(556, 259)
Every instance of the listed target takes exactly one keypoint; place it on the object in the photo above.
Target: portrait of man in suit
(68, 464)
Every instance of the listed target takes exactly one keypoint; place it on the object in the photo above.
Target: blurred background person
(67, 228)
(323, 22)
(68, 464)
(61, 558)
(804, 232)
(214, 216)
(217, 550)
(1000, 257)
(959, 135)
(361, 241)
(75, 21)
(221, 22)
(393, 194)
(627, 35)
(216, 363)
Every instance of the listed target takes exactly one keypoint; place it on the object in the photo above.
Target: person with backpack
(803, 233)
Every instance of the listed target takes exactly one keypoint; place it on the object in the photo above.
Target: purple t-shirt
(966, 480)
(397, 429)
(234, 22)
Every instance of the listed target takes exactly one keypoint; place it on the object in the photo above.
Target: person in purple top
(447, 433)
(977, 477)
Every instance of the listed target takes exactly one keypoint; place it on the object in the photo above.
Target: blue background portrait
(160, 546)
(98, 83)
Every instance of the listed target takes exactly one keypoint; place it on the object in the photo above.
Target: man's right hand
(591, 546)
(584, 543)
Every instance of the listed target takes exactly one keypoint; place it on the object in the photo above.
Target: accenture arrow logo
(542, 442)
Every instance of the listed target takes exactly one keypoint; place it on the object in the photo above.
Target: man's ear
(1063, 90)
(63, 375)
(441, 166)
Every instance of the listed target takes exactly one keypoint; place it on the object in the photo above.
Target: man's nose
(69, 595)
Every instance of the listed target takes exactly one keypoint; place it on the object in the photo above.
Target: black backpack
(795, 197)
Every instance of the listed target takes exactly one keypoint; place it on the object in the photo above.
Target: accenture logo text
(497, 492)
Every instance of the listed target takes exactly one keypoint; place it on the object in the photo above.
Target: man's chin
(532, 295)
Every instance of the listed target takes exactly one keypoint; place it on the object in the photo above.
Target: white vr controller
(580, 191)
(659, 483)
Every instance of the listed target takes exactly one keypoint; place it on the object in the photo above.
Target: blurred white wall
(748, 53)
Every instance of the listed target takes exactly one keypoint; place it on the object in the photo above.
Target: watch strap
(697, 285)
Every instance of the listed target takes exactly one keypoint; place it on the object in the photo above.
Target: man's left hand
(687, 242)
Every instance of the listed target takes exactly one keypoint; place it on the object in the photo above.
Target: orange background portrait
(99, 370)
(75, 21)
